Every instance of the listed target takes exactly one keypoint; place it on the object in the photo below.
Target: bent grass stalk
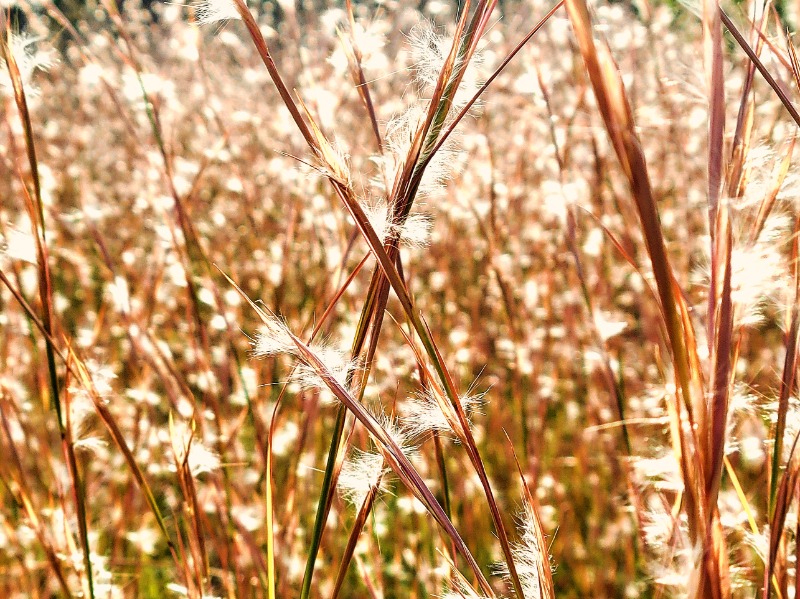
(392, 452)
(35, 208)
(403, 194)
(78, 369)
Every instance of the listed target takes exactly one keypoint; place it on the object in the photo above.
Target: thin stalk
(787, 384)
(354, 58)
(349, 551)
(437, 445)
(465, 110)
(396, 459)
(36, 209)
(444, 377)
(268, 500)
(760, 66)
(76, 367)
(20, 493)
(392, 453)
(372, 311)
(323, 506)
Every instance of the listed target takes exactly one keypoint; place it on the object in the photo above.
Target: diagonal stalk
(36, 209)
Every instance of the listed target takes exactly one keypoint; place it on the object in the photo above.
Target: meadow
(399, 300)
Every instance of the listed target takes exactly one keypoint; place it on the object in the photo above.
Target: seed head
(273, 338)
(212, 11)
(18, 245)
(28, 60)
(528, 556)
(361, 472)
(424, 414)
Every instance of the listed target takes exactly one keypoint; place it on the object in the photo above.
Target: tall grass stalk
(35, 209)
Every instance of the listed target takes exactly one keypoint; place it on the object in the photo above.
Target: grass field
(398, 301)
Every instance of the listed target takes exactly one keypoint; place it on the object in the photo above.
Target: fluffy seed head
(191, 450)
(81, 406)
(28, 61)
(361, 472)
(415, 232)
(335, 361)
(212, 11)
(668, 537)
(92, 445)
(607, 326)
(273, 338)
(379, 217)
(430, 51)
(423, 413)
(18, 245)
(364, 471)
(661, 473)
(758, 271)
(758, 267)
(528, 556)
(399, 433)
(202, 459)
(399, 135)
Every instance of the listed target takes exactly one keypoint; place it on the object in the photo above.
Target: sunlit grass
(373, 302)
